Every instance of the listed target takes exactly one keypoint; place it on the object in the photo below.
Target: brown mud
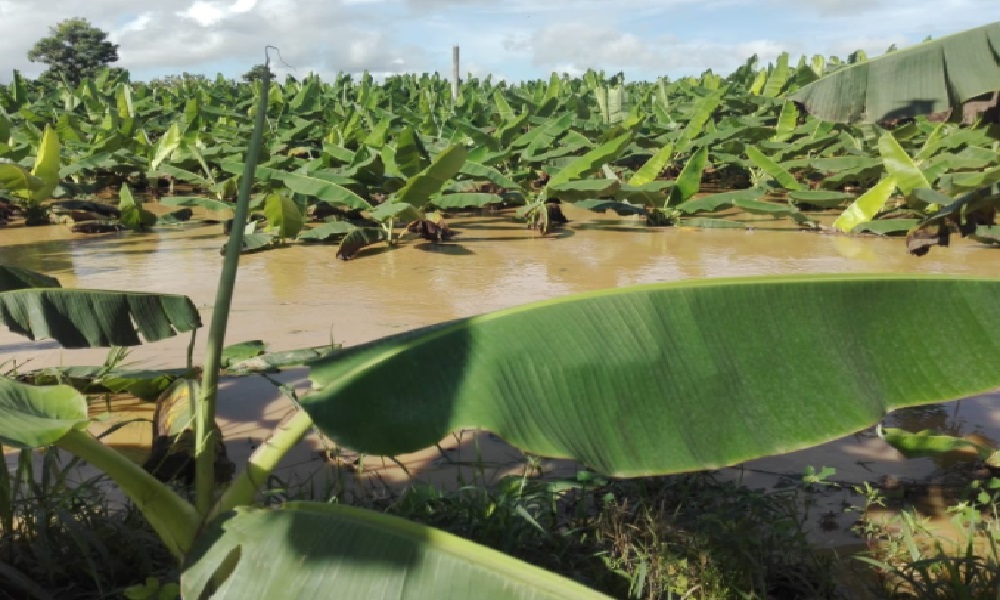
(303, 296)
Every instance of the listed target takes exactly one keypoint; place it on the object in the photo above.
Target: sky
(510, 39)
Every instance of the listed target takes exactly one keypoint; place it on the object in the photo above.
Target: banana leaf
(182, 175)
(720, 371)
(689, 181)
(622, 209)
(931, 77)
(866, 206)
(15, 178)
(479, 171)
(720, 201)
(133, 215)
(591, 161)
(410, 156)
(787, 120)
(318, 187)
(900, 166)
(181, 215)
(16, 278)
(360, 554)
(96, 318)
(465, 200)
(783, 177)
(956, 183)
(206, 203)
(284, 219)
(327, 231)
(968, 212)
(701, 116)
(37, 416)
(927, 443)
(420, 187)
(357, 239)
(778, 77)
(47, 164)
(395, 210)
(242, 351)
(144, 384)
(166, 145)
(651, 169)
(582, 189)
(835, 164)
(275, 361)
(771, 209)
(653, 193)
(257, 241)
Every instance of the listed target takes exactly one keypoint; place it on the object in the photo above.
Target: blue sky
(513, 39)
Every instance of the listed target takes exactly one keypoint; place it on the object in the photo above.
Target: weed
(686, 536)
(61, 535)
(915, 559)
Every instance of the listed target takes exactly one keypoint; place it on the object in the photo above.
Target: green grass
(63, 538)
(666, 538)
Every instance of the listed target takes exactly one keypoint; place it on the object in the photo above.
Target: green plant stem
(6, 499)
(174, 519)
(190, 350)
(205, 430)
(262, 462)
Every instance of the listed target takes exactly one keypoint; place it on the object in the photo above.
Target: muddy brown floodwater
(303, 296)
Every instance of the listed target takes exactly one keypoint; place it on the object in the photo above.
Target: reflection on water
(303, 296)
(306, 292)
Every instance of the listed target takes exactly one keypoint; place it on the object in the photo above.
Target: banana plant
(408, 203)
(701, 373)
(30, 189)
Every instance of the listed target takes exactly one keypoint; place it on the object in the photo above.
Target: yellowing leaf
(867, 206)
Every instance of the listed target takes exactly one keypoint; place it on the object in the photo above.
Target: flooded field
(303, 296)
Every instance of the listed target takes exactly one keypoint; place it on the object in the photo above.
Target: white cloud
(204, 13)
(137, 24)
(574, 47)
(208, 14)
(242, 6)
(520, 38)
(580, 45)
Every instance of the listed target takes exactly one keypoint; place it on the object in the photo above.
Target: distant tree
(74, 50)
(257, 72)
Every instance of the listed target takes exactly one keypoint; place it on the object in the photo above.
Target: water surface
(303, 296)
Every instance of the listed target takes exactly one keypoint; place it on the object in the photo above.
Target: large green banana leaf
(671, 377)
(419, 188)
(900, 166)
(927, 78)
(37, 416)
(311, 185)
(332, 551)
(866, 206)
(591, 161)
(96, 318)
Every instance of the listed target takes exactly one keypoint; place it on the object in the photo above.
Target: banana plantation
(628, 382)
(359, 162)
